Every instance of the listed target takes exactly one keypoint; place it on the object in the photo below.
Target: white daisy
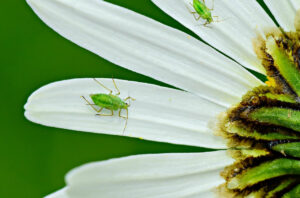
(209, 84)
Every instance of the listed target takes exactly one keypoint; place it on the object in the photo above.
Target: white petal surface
(59, 194)
(239, 23)
(284, 12)
(148, 47)
(183, 175)
(159, 114)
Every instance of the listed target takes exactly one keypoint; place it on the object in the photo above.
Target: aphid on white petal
(109, 101)
(202, 12)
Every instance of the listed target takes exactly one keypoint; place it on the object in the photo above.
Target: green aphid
(109, 101)
(202, 11)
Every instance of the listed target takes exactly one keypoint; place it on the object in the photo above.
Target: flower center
(263, 130)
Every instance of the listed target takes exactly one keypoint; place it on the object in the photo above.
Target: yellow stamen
(271, 82)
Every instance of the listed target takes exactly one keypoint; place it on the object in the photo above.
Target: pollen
(270, 82)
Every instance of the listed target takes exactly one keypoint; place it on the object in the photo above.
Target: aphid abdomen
(202, 10)
(117, 103)
(107, 101)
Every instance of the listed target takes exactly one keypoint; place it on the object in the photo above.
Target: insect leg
(193, 13)
(195, 17)
(92, 105)
(205, 24)
(121, 115)
(116, 87)
(129, 98)
(110, 91)
(126, 118)
(112, 113)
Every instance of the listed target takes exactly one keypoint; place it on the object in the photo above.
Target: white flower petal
(148, 47)
(240, 21)
(183, 175)
(284, 12)
(59, 194)
(159, 114)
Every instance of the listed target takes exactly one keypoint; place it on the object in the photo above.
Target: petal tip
(58, 194)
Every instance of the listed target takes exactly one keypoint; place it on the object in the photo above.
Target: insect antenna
(129, 98)
(110, 91)
(213, 2)
(116, 87)
(219, 20)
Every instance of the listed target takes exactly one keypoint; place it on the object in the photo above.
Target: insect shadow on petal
(110, 101)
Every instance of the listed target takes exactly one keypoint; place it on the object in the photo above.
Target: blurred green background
(35, 158)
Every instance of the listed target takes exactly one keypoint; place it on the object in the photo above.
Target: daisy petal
(183, 175)
(158, 113)
(284, 12)
(59, 194)
(148, 47)
(239, 22)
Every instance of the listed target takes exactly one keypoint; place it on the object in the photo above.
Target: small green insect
(202, 11)
(109, 101)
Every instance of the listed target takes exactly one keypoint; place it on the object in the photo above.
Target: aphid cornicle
(202, 11)
(109, 101)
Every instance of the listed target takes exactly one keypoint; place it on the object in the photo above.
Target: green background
(35, 158)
